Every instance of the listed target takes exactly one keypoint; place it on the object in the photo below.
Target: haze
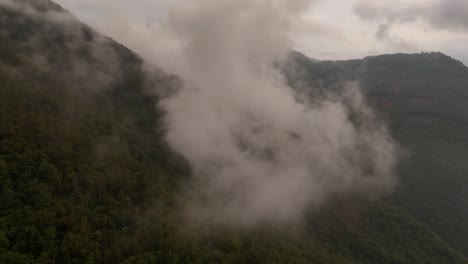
(335, 29)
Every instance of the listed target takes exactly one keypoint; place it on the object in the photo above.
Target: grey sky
(333, 29)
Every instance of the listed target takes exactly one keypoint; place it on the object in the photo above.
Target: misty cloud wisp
(258, 154)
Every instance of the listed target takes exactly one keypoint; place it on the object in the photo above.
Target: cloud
(59, 43)
(414, 25)
(257, 153)
(449, 14)
(443, 14)
(329, 30)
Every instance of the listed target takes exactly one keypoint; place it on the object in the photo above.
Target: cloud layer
(444, 14)
(416, 25)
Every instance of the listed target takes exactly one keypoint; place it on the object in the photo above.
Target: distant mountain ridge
(423, 97)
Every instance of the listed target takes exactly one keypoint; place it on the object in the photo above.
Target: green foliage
(86, 176)
(423, 98)
(76, 169)
(14, 258)
(4, 242)
(85, 180)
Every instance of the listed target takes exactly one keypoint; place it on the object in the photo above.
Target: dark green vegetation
(86, 177)
(424, 99)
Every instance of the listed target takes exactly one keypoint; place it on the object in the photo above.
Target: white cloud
(257, 153)
(334, 29)
(433, 25)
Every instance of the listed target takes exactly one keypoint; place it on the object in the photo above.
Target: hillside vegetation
(423, 98)
(86, 176)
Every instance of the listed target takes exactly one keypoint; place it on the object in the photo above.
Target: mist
(442, 14)
(87, 60)
(258, 155)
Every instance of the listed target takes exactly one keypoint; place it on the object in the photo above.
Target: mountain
(87, 177)
(423, 97)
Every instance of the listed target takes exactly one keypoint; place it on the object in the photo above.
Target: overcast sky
(333, 29)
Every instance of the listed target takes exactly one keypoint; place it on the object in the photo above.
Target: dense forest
(87, 177)
(423, 98)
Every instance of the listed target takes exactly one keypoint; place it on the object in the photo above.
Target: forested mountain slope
(86, 176)
(424, 99)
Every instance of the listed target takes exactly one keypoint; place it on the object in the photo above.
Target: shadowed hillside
(423, 97)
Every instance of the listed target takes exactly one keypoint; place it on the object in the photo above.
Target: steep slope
(423, 96)
(81, 154)
(86, 177)
(426, 104)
